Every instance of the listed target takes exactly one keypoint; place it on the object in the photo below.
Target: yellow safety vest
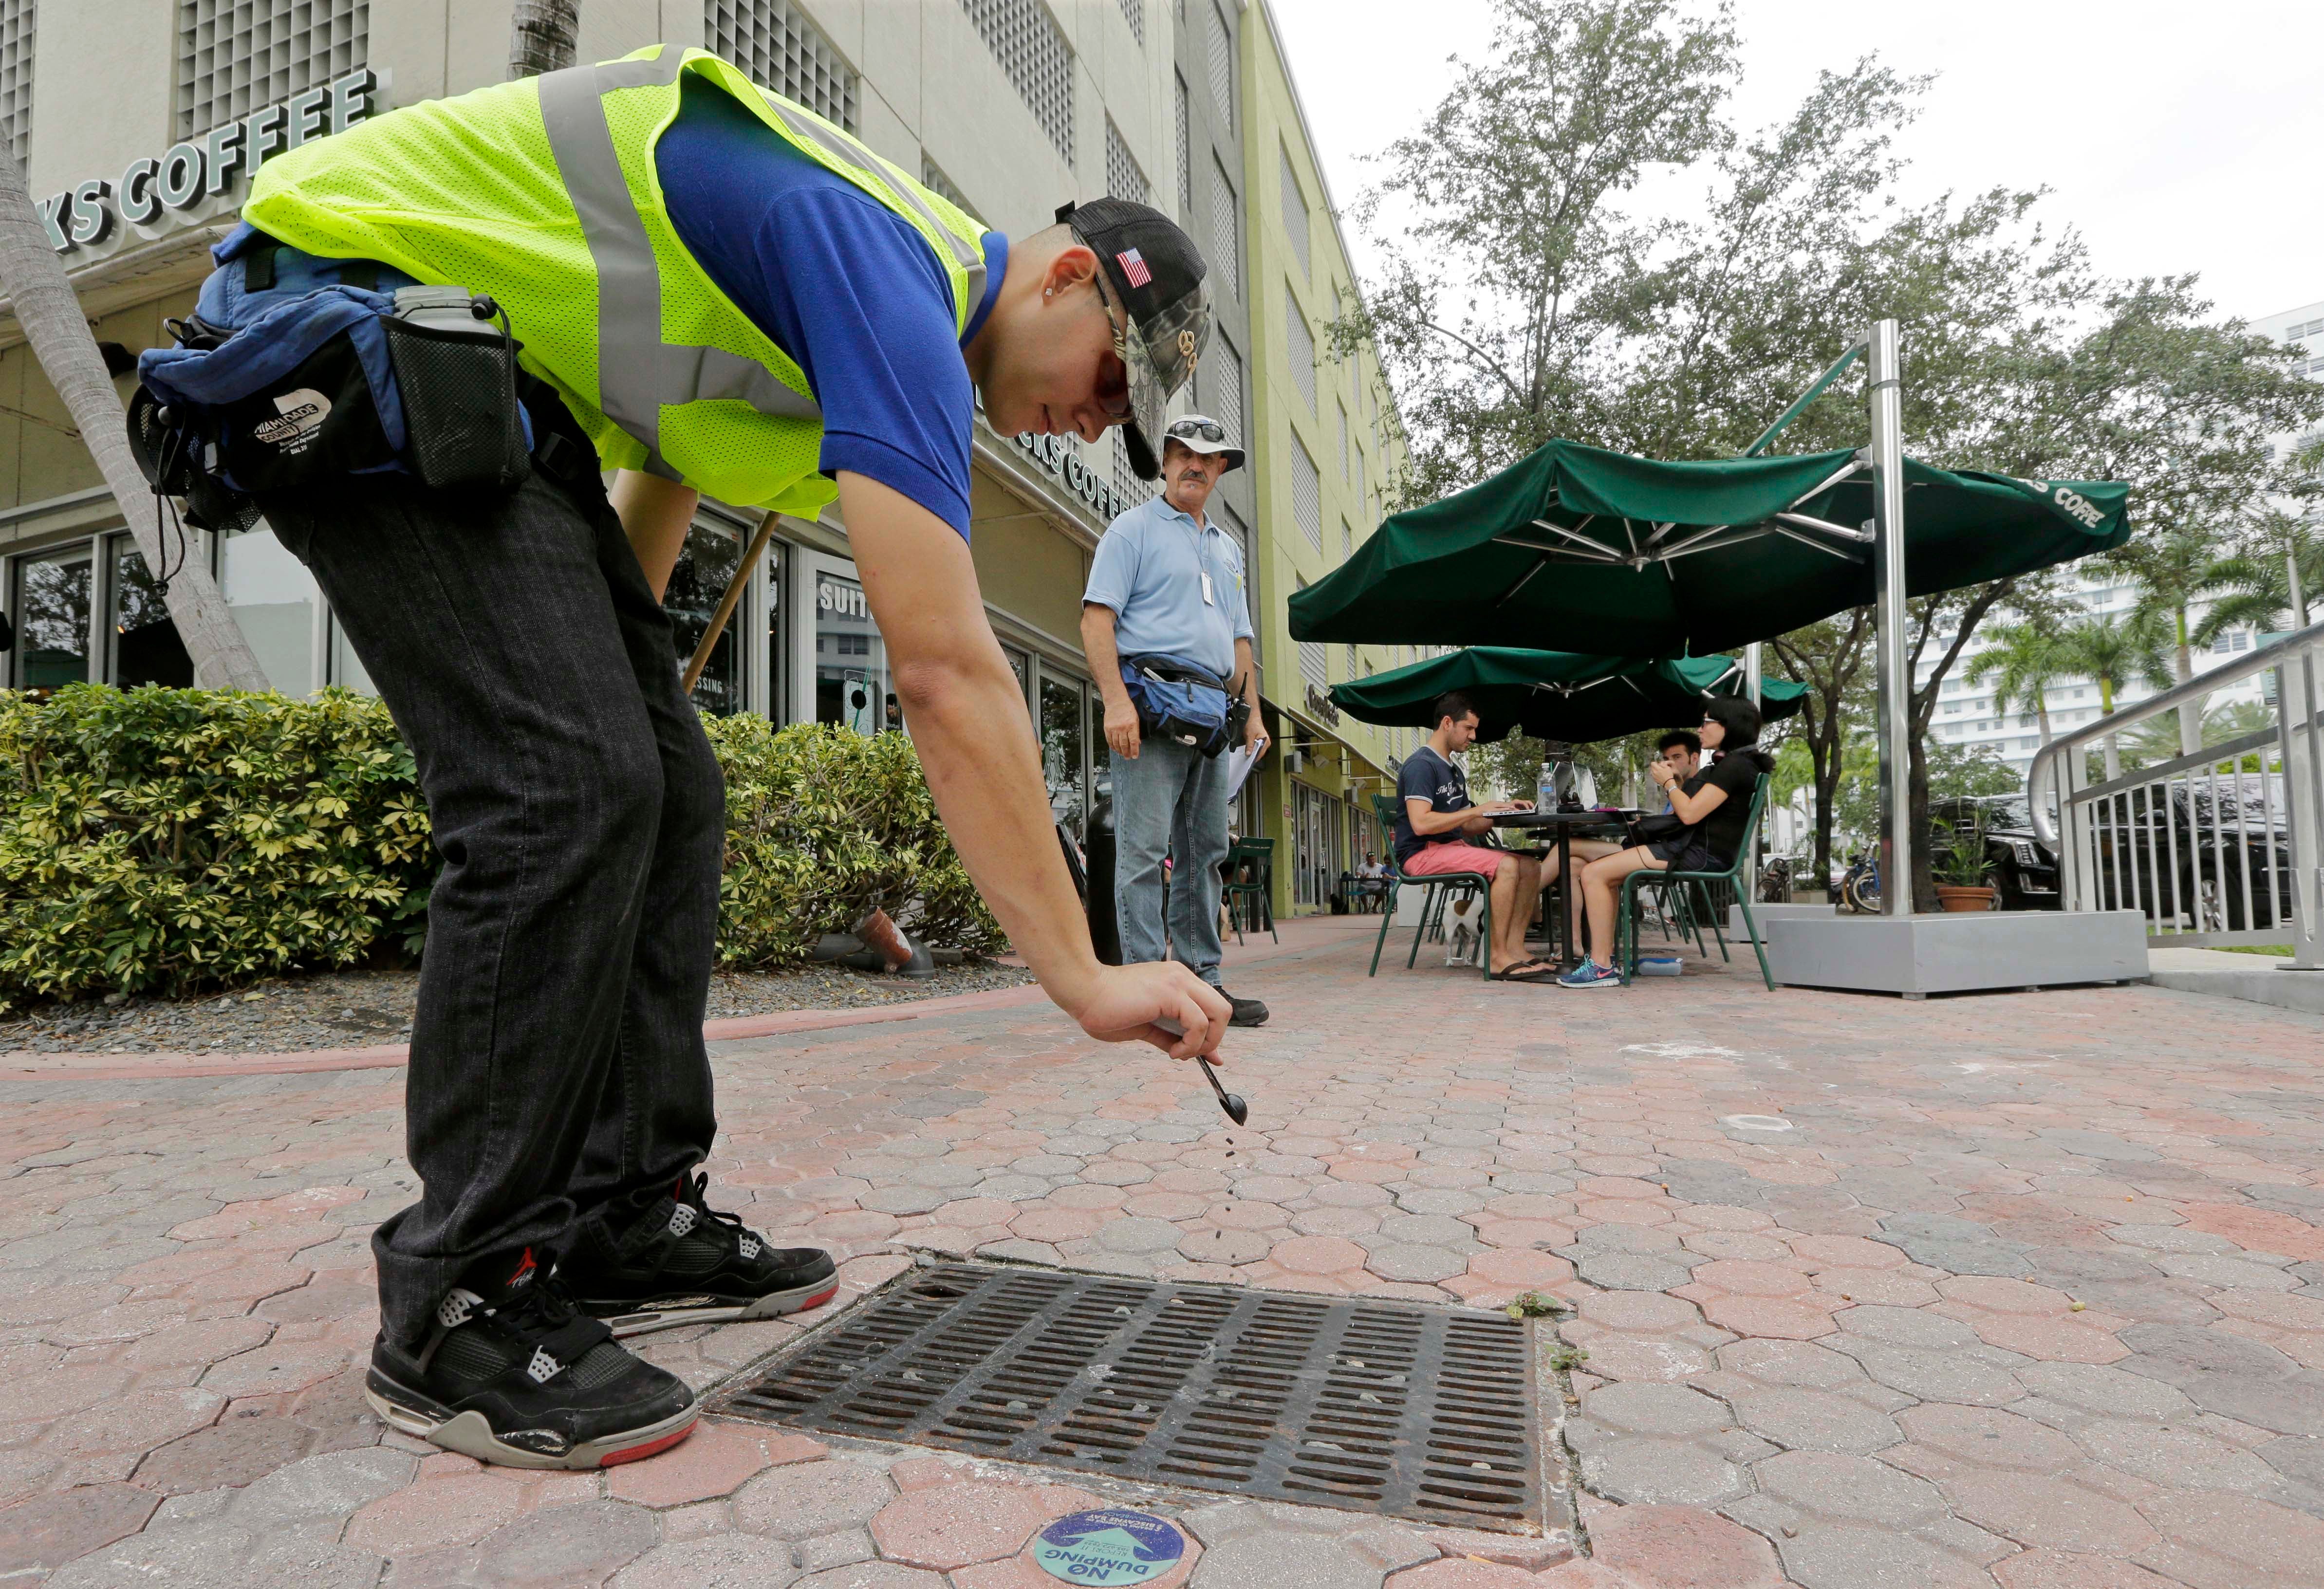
(543, 193)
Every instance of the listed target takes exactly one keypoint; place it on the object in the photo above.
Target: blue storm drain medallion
(1109, 1548)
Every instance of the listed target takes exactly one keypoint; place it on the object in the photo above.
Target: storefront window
(1062, 717)
(852, 687)
(1100, 753)
(147, 649)
(53, 594)
(705, 569)
(272, 598)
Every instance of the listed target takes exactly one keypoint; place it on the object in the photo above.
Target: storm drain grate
(1383, 1406)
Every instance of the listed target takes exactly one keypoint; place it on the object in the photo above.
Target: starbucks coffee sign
(1062, 461)
(151, 188)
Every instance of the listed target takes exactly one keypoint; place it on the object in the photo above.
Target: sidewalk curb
(154, 1067)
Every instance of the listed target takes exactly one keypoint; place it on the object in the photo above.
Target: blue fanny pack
(1182, 700)
(289, 372)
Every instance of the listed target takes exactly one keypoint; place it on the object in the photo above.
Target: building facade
(1325, 431)
(139, 122)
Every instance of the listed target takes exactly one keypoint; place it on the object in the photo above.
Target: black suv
(2207, 854)
(2023, 869)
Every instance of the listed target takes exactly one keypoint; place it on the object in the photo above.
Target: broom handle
(726, 604)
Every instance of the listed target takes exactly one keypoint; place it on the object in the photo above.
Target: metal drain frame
(1397, 1409)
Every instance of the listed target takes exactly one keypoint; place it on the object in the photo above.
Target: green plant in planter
(1962, 863)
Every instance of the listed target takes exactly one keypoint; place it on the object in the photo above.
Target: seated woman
(1715, 805)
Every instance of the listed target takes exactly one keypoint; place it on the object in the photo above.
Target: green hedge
(171, 841)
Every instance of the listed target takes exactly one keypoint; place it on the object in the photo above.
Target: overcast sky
(2176, 137)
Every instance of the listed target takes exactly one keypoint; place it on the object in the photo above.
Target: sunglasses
(1190, 429)
(1117, 402)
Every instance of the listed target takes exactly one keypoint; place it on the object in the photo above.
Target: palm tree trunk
(42, 300)
(544, 37)
(2190, 715)
(2041, 712)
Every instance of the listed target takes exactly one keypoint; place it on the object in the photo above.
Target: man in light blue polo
(1166, 581)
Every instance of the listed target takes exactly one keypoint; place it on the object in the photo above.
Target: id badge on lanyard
(1208, 599)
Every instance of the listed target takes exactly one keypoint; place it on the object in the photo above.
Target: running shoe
(512, 1372)
(1590, 974)
(682, 1262)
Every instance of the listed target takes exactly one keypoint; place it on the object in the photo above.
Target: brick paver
(2012, 1293)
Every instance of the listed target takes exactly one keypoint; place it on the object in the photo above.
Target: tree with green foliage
(2172, 571)
(1834, 659)
(2023, 662)
(1527, 301)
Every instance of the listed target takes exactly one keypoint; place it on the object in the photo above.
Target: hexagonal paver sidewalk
(2017, 1292)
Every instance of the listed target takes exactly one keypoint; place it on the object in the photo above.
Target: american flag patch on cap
(1133, 266)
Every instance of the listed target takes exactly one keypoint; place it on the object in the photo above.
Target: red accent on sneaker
(651, 1447)
(818, 1301)
(522, 1273)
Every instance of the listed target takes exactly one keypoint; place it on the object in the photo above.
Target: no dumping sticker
(1109, 1548)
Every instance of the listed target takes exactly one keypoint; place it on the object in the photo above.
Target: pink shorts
(1438, 858)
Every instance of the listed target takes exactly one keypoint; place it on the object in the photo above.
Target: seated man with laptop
(1438, 830)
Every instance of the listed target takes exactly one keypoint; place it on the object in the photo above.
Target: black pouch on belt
(457, 377)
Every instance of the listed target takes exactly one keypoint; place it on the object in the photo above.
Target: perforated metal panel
(16, 19)
(1306, 494)
(1218, 52)
(932, 177)
(1224, 257)
(1131, 490)
(1123, 179)
(1133, 11)
(1294, 210)
(1024, 39)
(1218, 385)
(237, 56)
(1383, 1408)
(779, 49)
(1185, 151)
(1300, 347)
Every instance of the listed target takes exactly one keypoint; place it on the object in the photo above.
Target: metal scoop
(1236, 1110)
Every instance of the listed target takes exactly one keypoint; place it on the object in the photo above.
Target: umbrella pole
(1752, 667)
(744, 570)
(1886, 403)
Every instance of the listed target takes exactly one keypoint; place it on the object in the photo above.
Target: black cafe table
(1567, 824)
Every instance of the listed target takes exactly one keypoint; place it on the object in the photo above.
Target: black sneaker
(1248, 1012)
(682, 1262)
(514, 1373)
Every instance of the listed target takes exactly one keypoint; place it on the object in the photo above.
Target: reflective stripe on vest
(638, 373)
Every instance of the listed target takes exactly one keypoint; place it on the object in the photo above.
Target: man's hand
(1121, 728)
(1254, 737)
(1126, 1003)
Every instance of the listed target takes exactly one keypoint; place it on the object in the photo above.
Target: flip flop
(1526, 972)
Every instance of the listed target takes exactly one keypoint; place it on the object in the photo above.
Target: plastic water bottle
(1545, 798)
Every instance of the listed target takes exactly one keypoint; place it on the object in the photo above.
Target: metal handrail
(2119, 841)
(2046, 759)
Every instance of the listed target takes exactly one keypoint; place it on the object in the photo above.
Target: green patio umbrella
(1593, 551)
(1559, 695)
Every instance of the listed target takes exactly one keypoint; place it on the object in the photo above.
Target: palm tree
(544, 37)
(2113, 654)
(2171, 573)
(41, 298)
(2272, 584)
(2022, 664)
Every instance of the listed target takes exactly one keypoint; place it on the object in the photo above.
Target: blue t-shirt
(840, 282)
(1427, 776)
(1149, 567)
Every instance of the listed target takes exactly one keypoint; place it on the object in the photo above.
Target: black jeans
(556, 1055)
